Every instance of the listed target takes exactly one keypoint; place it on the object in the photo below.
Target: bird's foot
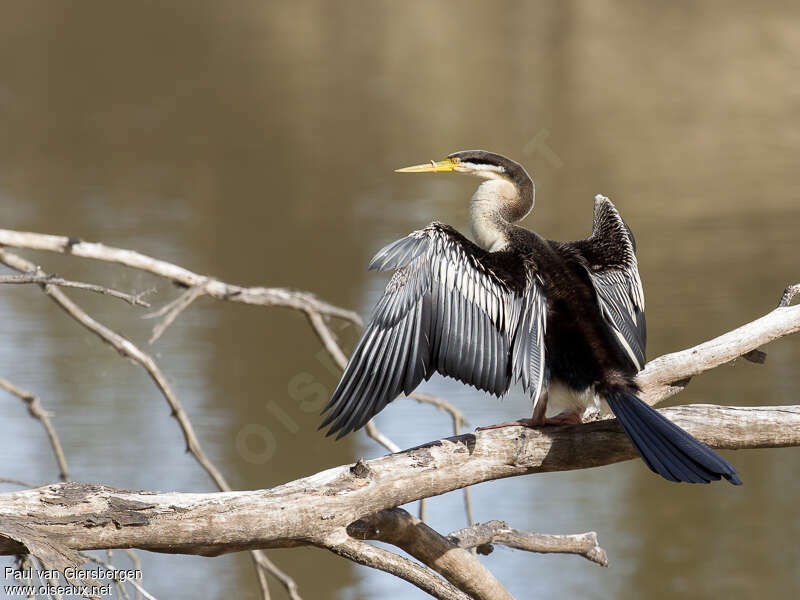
(568, 417)
(521, 423)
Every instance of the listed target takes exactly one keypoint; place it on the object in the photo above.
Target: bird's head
(486, 165)
(483, 164)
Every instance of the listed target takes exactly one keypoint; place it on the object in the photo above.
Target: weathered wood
(483, 535)
(460, 567)
(309, 510)
(667, 375)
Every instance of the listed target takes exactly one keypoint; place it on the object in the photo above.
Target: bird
(565, 320)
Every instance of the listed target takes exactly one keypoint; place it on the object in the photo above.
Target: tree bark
(75, 516)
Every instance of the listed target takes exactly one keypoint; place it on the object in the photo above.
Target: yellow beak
(443, 166)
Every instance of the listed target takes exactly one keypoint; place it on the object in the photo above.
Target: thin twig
(122, 591)
(328, 339)
(112, 568)
(376, 434)
(175, 308)
(37, 412)
(17, 482)
(41, 278)
(37, 570)
(268, 566)
(137, 564)
(458, 417)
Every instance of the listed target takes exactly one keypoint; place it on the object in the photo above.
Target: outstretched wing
(611, 261)
(443, 310)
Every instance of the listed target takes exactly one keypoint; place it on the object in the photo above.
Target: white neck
(486, 213)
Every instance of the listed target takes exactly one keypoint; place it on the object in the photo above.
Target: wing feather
(442, 310)
(611, 262)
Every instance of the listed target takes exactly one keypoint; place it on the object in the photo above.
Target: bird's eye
(456, 160)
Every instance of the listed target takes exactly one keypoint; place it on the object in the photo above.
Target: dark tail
(666, 448)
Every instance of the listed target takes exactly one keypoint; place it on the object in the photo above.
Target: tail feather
(666, 448)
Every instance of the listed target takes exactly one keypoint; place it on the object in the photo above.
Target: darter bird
(564, 319)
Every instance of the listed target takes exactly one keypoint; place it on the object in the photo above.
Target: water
(256, 142)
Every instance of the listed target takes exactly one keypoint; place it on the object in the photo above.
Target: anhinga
(565, 319)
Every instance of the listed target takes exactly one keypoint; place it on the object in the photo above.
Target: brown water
(255, 141)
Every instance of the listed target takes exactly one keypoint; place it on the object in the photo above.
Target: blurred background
(255, 141)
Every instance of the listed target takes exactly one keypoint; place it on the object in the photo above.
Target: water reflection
(256, 141)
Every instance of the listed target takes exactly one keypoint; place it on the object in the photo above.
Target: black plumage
(564, 317)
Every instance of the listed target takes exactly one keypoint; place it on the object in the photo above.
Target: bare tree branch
(213, 287)
(37, 412)
(377, 558)
(667, 375)
(498, 532)
(41, 278)
(460, 567)
(74, 516)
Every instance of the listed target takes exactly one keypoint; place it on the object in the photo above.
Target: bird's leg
(539, 410)
(537, 419)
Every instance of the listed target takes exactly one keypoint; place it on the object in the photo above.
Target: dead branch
(397, 527)
(667, 375)
(483, 535)
(37, 412)
(53, 522)
(309, 510)
(378, 558)
(213, 287)
(41, 278)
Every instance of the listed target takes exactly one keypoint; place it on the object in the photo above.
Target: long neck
(497, 204)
